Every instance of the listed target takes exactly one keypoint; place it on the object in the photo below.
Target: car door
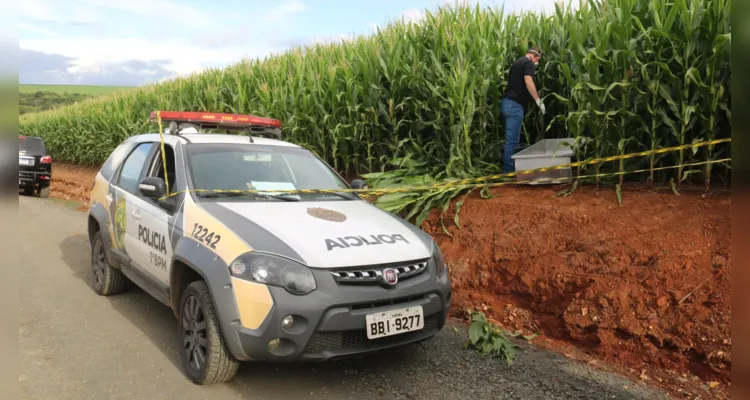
(129, 232)
(154, 221)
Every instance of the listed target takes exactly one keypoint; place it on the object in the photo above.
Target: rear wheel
(28, 191)
(204, 354)
(105, 279)
(44, 192)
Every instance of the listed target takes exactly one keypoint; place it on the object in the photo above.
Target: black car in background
(34, 166)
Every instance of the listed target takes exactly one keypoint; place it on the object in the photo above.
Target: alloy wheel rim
(195, 344)
(98, 264)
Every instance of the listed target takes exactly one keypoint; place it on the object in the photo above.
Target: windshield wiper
(279, 197)
(347, 196)
(213, 195)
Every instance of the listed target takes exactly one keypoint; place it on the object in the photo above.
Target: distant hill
(34, 98)
(81, 89)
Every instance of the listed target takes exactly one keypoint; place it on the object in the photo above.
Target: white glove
(541, 106)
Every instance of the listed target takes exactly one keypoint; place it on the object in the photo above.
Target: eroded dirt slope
(72, 182)
(646, 285)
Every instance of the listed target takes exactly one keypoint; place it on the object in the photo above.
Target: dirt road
(77, 345)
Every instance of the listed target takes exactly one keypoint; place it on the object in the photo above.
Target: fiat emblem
(390, 276)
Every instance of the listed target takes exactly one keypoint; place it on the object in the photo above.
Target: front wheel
(106, 280)
(204, 354)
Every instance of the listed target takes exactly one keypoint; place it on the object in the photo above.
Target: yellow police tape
(608, 173)
(438, 187)
(163, 156)
(464, 183)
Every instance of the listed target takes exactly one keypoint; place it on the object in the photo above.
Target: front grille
(386, 303)
(357, 339)
(375, 274)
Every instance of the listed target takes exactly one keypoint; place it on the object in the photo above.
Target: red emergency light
(218, 119)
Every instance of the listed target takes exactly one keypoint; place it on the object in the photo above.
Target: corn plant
(420, 102)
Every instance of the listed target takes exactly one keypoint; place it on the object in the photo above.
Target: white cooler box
(545, 153)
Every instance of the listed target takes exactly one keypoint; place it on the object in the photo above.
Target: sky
(136, 42)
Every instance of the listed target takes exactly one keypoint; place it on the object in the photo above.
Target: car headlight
(437, 258)
(276, 271)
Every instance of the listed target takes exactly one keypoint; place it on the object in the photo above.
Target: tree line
(45, 100)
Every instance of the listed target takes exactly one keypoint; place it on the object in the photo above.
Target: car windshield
(259, 167)
(31, 145)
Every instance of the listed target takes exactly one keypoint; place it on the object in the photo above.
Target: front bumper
(33, 179)
(330, 321)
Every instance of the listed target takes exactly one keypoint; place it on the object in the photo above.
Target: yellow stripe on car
(212, 234)
(254, 302)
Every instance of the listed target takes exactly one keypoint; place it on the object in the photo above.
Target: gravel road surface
(75, 344)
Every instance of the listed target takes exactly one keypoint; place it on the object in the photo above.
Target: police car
(206, 224)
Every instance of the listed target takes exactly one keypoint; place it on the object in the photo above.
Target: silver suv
(256, 275)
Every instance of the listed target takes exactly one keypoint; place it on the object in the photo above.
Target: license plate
(25, 161)
(394, 322)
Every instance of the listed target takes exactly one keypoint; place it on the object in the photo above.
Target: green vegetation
(71, 89)
(40, 101)
(489, 339)
(34, 98)
(419, 103)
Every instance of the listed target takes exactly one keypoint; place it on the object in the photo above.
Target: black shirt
(516, 89)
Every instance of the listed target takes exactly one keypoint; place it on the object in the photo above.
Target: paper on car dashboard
(256, 185)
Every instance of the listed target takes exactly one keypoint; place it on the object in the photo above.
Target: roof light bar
(253, 124)
(216, 118)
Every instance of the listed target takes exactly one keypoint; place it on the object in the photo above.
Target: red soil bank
(645, 286)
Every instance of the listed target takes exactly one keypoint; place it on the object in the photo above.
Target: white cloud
(182, 56)
(331, 39)
(454, 3)
(157, 9)
(36, 29)
(284, 10)
(412, 15)
(47, 11)
(522, 6)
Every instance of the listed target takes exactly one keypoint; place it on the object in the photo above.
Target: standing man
(515, 101)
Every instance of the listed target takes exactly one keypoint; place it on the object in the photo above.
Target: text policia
(356, 241)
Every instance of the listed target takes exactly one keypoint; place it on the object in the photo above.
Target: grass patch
(72, 89)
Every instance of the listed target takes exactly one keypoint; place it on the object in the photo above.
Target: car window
(239, 167)
(31, 145)
(157, 164)
(132, 167)
(115, 159)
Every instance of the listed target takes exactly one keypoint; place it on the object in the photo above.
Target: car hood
(324, 234)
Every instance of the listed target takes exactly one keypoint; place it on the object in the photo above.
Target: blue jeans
(513, 116)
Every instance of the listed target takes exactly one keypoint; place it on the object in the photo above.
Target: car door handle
(136, 215)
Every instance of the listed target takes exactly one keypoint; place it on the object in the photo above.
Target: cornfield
(418, 103)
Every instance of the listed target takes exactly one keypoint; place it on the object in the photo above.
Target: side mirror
(152, 187)
(359, 184)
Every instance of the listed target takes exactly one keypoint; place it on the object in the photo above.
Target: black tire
(204, 354)
(43, 192)
(28, 191)
(105, 280)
